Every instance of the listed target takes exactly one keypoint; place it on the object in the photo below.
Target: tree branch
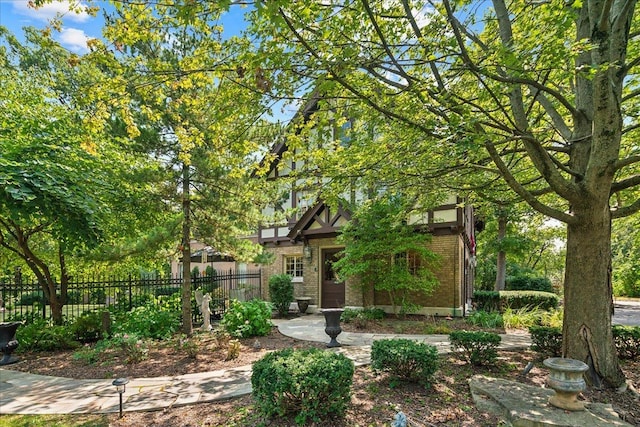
(627, 161)
(521, 191)
(624, 184)
(626, 211)
(336, 76)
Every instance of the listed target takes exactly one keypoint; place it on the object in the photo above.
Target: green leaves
(378, 247)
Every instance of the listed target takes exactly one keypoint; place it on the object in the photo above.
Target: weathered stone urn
(566, 379)
(8, 342)
(332, 325)
(303, 304)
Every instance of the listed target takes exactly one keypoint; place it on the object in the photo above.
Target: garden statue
(206, 312)
(203, 303)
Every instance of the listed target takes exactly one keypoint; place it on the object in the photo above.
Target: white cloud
(51, 10)
(74, 39)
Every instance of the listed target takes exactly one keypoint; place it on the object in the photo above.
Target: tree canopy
(535, 97)
(538, 97)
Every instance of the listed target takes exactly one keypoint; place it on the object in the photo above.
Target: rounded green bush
(479, 348)
(248, 319)
(87, 327)
(406, 359)
(309, 384)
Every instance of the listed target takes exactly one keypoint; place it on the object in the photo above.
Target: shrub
(158, 320)
(309, 384)
(281, 292)
(479, 348)
(405, 359)
(349, 314)
(26, 318)
(166, 290)
(498, 301)
(546, 340)
(522, 318)
(210, 271)
(490, 319)
(519, 299)
(552, 318)
(627, 341)
(97, 296)
(41, 336)
(361, 317)
(87, 327)
(486, 300)
(233, 350)
(437, 329)
(134, 348)
(74, 297)
(31, 298)
(187, 345)
(527, 283)
(248, 319)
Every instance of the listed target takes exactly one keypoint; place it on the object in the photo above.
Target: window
(411, 260)
(413, 263)
(293, 265)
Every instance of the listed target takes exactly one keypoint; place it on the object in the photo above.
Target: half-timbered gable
(304, 240)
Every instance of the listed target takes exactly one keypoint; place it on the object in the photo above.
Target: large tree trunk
(187, 326)
(501, 263)
(45, 279)
(587, 334)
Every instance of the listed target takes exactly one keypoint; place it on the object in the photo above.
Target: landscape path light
(121, 385)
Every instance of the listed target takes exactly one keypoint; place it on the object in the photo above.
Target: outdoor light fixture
(306, 251)
(121, 385)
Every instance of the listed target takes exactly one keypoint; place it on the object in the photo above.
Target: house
(305, 244)
(203, 257)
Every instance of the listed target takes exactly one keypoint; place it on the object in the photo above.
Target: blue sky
(77, 27)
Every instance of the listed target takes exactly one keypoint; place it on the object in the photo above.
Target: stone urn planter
(566, 379)
(303, 304)
(8, 342)
(332, 325)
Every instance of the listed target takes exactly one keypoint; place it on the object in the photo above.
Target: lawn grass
(78, 420)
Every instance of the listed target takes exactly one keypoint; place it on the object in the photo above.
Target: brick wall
(447, 295)
(277, 267)
(449, 275)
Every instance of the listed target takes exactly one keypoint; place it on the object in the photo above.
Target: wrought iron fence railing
(19, 298)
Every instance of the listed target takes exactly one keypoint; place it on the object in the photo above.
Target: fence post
(130, 294)
(44, 301)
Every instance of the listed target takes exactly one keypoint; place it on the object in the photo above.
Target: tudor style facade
(305, 244)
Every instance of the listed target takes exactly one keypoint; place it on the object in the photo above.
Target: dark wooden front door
(332, 289)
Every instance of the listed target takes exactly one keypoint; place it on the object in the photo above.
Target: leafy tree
(532, 246)
(378, 244)
(54, 188)
(626, 250)
(539, 96)
(186, 101)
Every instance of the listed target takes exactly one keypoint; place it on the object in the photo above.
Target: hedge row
(499, 301)
(548, 340)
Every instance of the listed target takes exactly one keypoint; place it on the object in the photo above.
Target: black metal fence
(19, 299)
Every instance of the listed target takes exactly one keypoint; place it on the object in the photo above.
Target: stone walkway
(22, 393)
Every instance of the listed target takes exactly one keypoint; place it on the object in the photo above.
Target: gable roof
(303, 115)
(318, 221)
